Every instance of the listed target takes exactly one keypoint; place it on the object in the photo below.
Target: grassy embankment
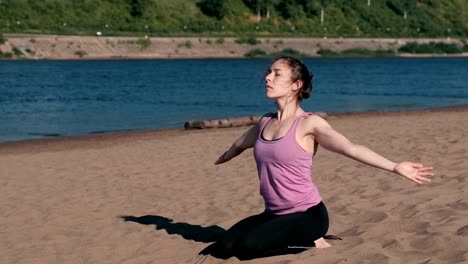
(243, 19)
(232, 18)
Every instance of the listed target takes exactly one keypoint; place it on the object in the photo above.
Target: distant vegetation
(259, 53)
(6, 55)
(256, 53)
(359, 52)
(431, 47)
(248, 40)
(143, 43)
(17, 52)
(80, 53)
(351, 18)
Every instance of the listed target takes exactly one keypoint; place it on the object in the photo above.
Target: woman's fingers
(414, 171)
(419, 178)
(416, 180)
(425, 168)
(425, 179)
(425, 173)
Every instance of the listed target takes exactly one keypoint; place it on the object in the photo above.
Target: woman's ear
(297, 85)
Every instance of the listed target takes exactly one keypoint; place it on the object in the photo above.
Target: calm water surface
(49, 98)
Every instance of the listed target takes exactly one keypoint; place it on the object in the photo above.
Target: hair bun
(305, 93)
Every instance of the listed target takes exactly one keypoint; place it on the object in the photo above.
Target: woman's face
(278, 81)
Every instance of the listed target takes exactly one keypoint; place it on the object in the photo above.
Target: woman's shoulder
(313, 120)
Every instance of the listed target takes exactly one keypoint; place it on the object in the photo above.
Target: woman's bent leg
(226, 246)
(285, 234)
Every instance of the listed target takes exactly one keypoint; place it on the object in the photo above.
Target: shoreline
(111, 137)
(58, 47)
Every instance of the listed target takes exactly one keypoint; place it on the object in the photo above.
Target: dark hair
(299, 72)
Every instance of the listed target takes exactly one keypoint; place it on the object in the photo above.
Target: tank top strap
(296, 122)
(268, 117)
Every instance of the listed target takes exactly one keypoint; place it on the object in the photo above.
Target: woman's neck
(287, 109)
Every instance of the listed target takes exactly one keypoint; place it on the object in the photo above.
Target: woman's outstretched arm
(332, 140)
(247, 140)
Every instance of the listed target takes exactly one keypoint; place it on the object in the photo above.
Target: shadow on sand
(190, 232)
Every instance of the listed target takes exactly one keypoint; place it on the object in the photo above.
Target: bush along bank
(259, 53)
(432, 48)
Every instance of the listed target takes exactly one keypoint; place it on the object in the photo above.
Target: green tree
(291, 9)
(137, 7)
(213, 8)
(262, 7)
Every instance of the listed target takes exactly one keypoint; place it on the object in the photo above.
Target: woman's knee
(319, 217)
(252, 245)
(248, 249)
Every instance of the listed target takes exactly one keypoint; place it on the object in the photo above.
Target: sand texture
(62, 200)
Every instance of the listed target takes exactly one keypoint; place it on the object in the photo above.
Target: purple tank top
(284, 169)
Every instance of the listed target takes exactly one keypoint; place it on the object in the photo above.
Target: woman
(295, 217)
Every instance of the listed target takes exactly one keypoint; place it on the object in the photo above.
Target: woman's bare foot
(321, 243)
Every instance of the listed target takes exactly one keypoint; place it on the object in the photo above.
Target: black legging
(267, 234)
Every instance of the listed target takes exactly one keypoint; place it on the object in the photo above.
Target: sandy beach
(157, 197)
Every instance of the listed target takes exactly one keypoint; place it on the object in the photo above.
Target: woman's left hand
(416, 172)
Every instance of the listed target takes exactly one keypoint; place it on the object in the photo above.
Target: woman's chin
(269, 95)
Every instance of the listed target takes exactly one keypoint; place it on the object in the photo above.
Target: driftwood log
(230, 122)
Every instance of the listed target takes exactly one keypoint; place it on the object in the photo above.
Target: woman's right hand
(416, 172)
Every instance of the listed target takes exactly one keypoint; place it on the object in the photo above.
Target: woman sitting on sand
(284, 143)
